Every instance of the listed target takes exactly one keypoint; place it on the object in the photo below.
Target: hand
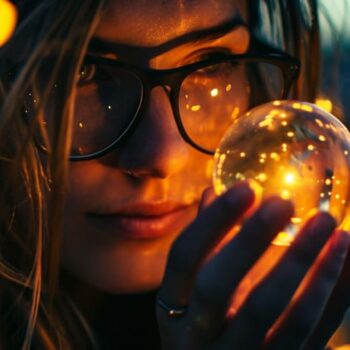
(269, 318)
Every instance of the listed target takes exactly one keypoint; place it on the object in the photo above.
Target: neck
(118, 321)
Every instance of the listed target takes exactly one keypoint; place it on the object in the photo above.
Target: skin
(165, 168)
(156, 165)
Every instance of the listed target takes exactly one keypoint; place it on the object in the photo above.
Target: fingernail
(241, 194)
(322, 222)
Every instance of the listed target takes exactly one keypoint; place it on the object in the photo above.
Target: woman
(85, 243)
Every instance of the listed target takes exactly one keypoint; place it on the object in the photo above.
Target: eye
(87, 73)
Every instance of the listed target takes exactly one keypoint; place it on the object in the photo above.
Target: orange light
(289, 179)
(195, 108)
(8, 20)
(324, 103)
(214, 92)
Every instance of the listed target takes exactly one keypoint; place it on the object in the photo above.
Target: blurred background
(335, 77)
(335, 88)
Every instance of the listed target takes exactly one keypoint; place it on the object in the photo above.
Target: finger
(218, 279)
(196, 242)
(292, 331)
(334, 312)
(272, 295)
(208, 198)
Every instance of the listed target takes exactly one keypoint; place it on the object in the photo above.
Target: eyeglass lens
(210, 98)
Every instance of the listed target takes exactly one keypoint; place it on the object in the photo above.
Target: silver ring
(172, 311)
(130, 173)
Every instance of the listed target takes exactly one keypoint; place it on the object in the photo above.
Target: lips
(141, 221)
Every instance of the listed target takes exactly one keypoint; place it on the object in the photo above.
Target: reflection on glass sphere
(293, 149)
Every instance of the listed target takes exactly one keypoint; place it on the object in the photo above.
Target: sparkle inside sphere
(295, 150)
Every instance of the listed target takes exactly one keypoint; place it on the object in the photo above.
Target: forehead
(154, 22)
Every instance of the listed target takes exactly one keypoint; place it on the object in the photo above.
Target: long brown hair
(32, 187)
(55, 34)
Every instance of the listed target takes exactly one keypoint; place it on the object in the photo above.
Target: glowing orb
(293, 149)
(8, 20)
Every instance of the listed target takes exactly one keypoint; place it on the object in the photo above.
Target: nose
(155, 148)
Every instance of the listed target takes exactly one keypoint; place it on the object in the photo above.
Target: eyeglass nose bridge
(166, 78)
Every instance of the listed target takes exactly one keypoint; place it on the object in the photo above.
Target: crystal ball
(292, 149)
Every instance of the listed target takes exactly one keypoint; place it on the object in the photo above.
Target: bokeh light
(295, 150)
(8, 20)
(325, 103)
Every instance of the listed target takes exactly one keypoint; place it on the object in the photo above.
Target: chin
(127, 268)
(116, 282)
(128, 284)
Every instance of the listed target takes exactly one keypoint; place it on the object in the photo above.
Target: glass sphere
(295, 150)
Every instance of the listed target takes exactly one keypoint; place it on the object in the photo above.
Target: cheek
(93, 184)
(116, 266)
(110, 263)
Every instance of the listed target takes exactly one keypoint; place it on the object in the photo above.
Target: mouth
(144, 221)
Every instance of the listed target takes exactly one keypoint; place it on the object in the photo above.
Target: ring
(171, 310)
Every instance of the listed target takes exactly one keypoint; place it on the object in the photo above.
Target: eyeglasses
(205, 96)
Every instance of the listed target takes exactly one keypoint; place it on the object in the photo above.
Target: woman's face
(125, 209)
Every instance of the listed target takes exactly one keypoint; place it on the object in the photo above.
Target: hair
(56, 33)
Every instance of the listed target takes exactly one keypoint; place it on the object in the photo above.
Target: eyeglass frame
(173, 78)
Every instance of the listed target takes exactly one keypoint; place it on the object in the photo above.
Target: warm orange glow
(262, 177)
(290, 158)
(324, 103)
(296, 220)
(214, 92)
(195, 108)
(328, 182)
(8, 20)
(235, 113)
(283, 239)
(285, 194)
(289, 179)
(258, 272)
(302, 107)
(275, 156)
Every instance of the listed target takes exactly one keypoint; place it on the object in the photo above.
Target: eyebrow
(100, 46)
